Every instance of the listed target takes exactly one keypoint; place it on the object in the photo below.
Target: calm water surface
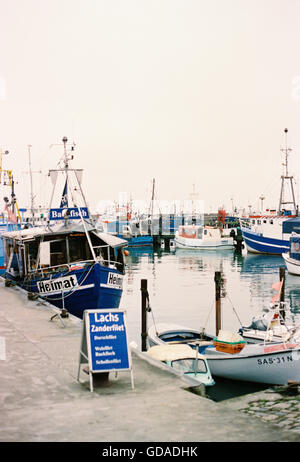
(182, 290)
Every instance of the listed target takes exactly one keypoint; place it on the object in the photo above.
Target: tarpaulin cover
(291, 225)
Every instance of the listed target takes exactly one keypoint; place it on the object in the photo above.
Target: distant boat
(200, 237)
(68, 261)
(269, 233)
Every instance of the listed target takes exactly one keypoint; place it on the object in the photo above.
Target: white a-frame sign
(104, 343)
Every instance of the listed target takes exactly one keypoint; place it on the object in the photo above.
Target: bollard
(144, 297)
(218, 283)
(282, 308)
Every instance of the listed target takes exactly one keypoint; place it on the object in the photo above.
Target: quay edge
(42, 401)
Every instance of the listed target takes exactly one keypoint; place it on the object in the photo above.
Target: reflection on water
(182, 290)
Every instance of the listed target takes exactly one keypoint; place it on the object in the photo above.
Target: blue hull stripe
(94, 290)
(260, 244)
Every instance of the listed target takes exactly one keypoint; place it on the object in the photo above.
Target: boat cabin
(199, 232)
(46, 250)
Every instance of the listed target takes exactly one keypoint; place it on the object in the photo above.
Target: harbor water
(182, 291)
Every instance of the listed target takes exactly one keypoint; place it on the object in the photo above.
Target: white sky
(183, 91)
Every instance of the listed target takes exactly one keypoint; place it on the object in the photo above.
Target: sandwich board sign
(104, 343)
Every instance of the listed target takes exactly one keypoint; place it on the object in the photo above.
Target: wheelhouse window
(188, 365)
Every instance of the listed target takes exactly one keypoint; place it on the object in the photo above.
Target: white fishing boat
(292, 257)
(269, 232)
(184, 360)
(293, 265)
(202, 237)
(230, 357)
(68, 262)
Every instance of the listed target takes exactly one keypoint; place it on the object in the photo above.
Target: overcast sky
(189, 92)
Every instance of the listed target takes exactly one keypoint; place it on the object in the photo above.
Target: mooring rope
(234, 310)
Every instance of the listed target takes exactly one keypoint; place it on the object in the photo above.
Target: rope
(149, 309)
(209, 313)
(234, 310)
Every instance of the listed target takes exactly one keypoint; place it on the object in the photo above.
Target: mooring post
(218, 282)
(282, 278)
(144, 295)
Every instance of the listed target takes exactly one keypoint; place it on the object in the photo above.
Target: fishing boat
(133, 235)
(269, 232)
(185, 360)
(292, 257)
(68, 261)
(200, 237)
(229, 356)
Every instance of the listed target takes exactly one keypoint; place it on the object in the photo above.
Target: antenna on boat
(31, 188)
(286, 178)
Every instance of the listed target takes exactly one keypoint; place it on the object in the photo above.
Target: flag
(277, 286)
(64, 197)
(11, 216)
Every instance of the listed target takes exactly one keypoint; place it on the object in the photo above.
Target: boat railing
(70, 266)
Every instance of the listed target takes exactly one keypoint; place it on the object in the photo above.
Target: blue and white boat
(270, 233)
(68, 261)
(292, 257)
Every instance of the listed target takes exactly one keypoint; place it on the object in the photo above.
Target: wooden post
(282, 277)
(218, 279)
(144, 296)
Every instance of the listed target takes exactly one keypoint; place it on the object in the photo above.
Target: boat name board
(114, 281)
(104, 342)
(71, 213)
(50, 286)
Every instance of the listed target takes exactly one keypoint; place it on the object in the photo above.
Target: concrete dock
(42, 401)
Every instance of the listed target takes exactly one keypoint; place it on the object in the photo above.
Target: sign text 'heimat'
(50, 286)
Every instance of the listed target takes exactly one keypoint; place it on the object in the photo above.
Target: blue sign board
(104, 342)
(72, 212)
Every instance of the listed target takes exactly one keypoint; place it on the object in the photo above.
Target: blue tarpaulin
(291, 225)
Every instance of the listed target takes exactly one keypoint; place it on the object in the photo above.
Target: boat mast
(286, 178)
(12, 185)
(31, 187)
(67, 170)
